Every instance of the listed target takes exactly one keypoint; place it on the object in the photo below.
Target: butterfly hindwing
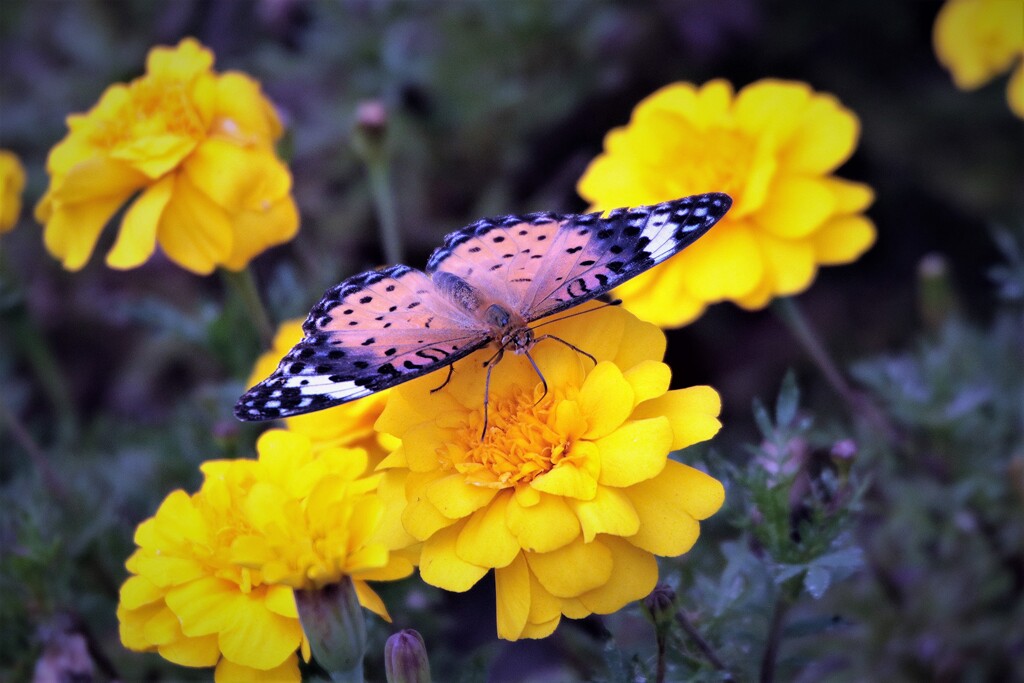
(371, 332)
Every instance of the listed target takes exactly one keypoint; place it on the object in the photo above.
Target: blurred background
(497, 107)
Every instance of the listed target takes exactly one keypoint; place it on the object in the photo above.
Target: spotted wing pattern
(544, 263)
(371, 332)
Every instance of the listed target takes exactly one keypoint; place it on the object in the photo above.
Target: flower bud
(937, 297)
(661, 603)
(405, 658)
(333, 622)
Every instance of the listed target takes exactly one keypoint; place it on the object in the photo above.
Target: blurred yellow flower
(979, 39)
(571, 494)
(773, 147)
(348, 425)
(12, 183)
(196, 147)
(213, 576)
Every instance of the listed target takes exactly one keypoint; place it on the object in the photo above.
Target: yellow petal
(139, 591)
(768, 108)
(670, 505)
(286, 672)
(610, 512)
(132, 625)
(486, 540)
(646, 343)
(796, 206)
(634, 575)
(455, 499)
(259, 638)
(572, 570)
(512, 598)
(204, 606)
(369, 599)
(137, 238)
(725, 263)
(163, 628)
(196, 652)
(543, 527)
(850, 196)
(154, 155)
(692, 412)
(658, 296)
(72, 229)
(194, 231)
(95, 179)
(256, 230)
(441, 566)
(825, 137)
(1015, 91)
(636, 451)
(236, 177)
(649, 378)
(606, 399)
(281, 600)
(243, 110)
(714, 101)
(567, 480)
(790, 264)
(421, 519)
(542, 630)
(182, 62)
(843, 239)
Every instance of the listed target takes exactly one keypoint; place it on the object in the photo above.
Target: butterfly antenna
(540, 374)
(571, 346)
(613, 302)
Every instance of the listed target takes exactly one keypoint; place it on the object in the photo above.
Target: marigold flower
(195, 145)
(212, 580)
(772, 147)
(348, 425)
(570, 494)
(980, 39)
(12, 183)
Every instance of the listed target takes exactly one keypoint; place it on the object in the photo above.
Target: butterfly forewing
(591, 255)
(369, 333)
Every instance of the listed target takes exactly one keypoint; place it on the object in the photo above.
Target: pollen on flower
(521, 443)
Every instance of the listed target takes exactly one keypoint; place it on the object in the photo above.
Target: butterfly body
(485, 286)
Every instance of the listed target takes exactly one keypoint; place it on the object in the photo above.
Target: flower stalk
(371, 142)
(242, 284)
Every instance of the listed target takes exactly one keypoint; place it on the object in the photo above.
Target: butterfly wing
(371, 332)
(545, 263)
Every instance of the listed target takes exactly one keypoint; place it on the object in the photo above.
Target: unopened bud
(844, 450)
(936, 295)
(661, 603)
(405, 658)
(371, 125)
(333, 621)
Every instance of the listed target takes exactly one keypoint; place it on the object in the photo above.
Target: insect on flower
(486, 285)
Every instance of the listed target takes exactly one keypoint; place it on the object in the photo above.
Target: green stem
(379, 170)
(792, 316)
(28, 339)
(243, 285)
(703, 645)
(771, 648)
(39, 459)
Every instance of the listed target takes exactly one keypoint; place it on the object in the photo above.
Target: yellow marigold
(772, 147)
(348, 425)
(197, 148)
(12, 182)
(979, 39)
(212, 580)
(570, 494)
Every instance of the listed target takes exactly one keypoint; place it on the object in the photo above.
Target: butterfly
(485, 285)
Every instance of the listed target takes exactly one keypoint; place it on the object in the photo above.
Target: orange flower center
(153, 108)
(521, 442)
(717, 158)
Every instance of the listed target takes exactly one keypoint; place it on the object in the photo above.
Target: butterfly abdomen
(458, 291)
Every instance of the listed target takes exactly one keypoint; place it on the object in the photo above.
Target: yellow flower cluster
(211, 582)
(196, 147)
(348, 425)
(570, 494)
(980, 39)
(773, 147)
(12, 182)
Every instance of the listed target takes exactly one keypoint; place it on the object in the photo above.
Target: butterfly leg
(540, 374)
(489, 364)
(571, 346)
(451, 369)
